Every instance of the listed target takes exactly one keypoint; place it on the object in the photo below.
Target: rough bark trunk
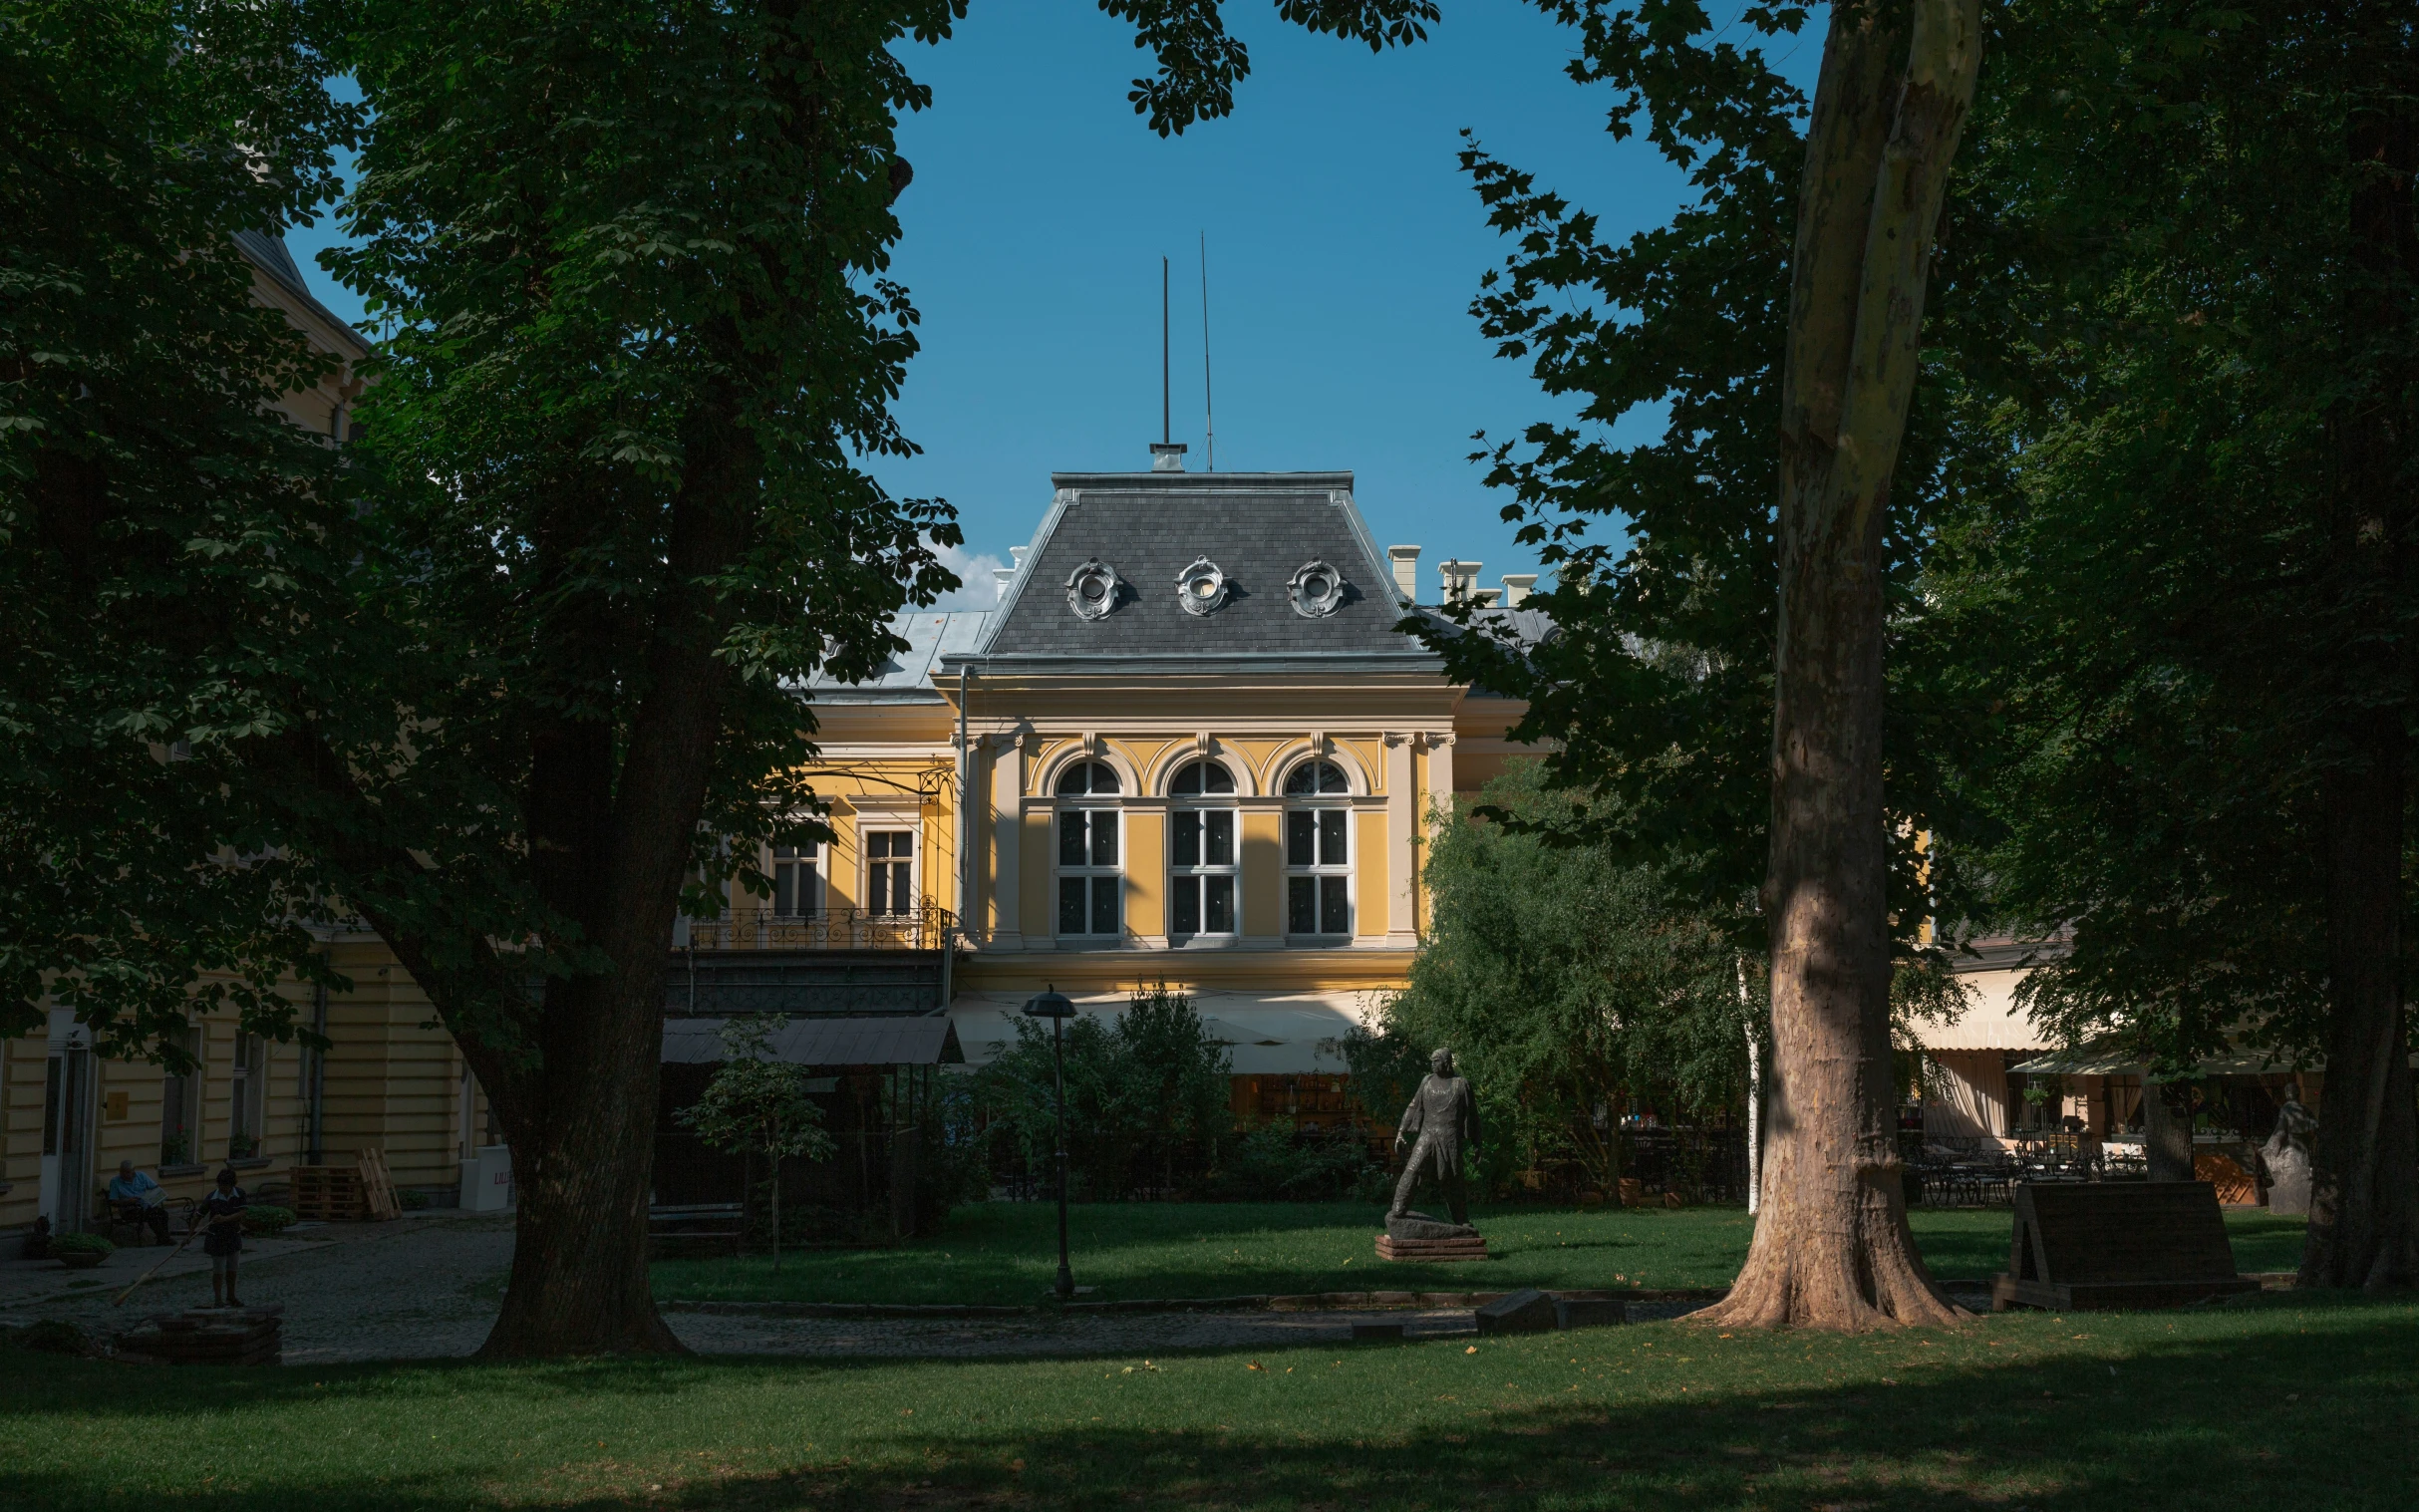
(1832, 1247)
(2167, 1129)
(582, 1122)
(2364, 1176)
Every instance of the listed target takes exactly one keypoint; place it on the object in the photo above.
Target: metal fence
(926, 928)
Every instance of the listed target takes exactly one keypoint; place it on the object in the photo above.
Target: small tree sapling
(758, 1105)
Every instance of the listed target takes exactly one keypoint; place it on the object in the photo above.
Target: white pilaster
(1402, 844)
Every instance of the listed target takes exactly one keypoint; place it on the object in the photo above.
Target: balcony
(926, 928)
(846, 961)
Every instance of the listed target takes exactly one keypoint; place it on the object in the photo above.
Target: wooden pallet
(327, 1193)
(379, 1201)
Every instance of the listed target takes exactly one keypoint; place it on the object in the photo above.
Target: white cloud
(978, 569)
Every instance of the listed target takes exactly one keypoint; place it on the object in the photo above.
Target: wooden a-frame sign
(2117, 1244)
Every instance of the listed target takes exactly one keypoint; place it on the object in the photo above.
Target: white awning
(809, 1041)
(1992, 1023)
(1266, 1034)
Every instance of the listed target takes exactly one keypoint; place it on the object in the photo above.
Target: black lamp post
(1055, 1006)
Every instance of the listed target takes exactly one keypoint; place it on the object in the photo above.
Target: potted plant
(81, 1252)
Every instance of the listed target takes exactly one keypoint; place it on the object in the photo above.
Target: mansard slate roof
(1259, 529)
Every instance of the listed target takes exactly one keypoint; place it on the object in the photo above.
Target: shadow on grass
(2321, 1416)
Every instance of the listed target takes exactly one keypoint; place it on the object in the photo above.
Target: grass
(1005, 1253)
(2284, 1399)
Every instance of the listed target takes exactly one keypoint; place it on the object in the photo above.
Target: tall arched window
(1201, 853)
(1318, 851)
(1090, 880)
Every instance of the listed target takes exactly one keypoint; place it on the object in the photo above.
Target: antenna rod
(1163, 425)
(1209, 415)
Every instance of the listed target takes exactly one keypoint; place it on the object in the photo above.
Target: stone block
(1524, 1312)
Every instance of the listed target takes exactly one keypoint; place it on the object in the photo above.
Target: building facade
(391, 1079)
(1190, 747)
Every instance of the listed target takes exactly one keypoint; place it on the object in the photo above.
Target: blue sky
(1344, 247)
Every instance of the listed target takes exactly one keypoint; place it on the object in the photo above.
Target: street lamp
(1057, 1008)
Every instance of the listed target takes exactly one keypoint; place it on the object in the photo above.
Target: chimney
(1003, 576)
(1517, 586)
(1016, 556)
(1487, 598)
(1167, 457)
(1459, 579)
(1405, 560)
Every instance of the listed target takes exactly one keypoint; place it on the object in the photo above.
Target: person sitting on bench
(137, 1199)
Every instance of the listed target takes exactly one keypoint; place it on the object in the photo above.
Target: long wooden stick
(118, 1301)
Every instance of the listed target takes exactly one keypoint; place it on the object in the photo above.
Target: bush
(80, 1244)
(264, 1219)
(411, 1199)
(1277, 1163)
(53, 1336)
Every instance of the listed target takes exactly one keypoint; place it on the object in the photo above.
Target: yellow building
(68, 1117)
(1189, 745)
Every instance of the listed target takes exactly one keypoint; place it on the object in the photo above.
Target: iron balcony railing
(925, 928)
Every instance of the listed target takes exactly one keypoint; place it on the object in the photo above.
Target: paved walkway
(429, 1287)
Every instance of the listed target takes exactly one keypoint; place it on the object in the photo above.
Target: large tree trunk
(609, 850)
(2364, 1176)
(1832, 1247)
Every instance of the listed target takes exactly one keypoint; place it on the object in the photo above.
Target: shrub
(1277, 1163)
(411, 1199)
(80, 1244)
(263, 1219)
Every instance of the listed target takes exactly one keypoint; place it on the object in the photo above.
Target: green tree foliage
(172, 549)
(757, 1105)
(1658, 683)
(1567, 984)
(1143, 1093)
(2185, 339)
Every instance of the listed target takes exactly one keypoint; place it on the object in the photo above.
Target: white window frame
(248, 1095)
(184, 1097)
(1204, 808)
(867, 861)
(1093, 874)
(1329, 878)
(786, 865)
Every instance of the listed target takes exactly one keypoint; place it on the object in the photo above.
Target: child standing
(223, 1241)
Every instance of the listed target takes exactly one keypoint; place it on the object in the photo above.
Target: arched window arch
(1316, 778)
(1195, 779)
(1088, 777)
(1203, 878)
(1091, 875)
(1318, 851)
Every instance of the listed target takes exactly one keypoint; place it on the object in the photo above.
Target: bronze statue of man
(1440, 1123)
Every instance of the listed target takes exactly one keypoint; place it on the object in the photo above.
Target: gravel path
(429, 1288)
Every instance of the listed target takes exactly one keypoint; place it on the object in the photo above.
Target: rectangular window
(247, 1104)
(798, 880)
(1202, 881)
(180, 1112)
(1317, 856)
(1090, 902)
(889, 871)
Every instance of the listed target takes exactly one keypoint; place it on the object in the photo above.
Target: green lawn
(1005, 1252)
(2280, 1400)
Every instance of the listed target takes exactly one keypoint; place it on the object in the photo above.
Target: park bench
(676, 1229)
(2117, 1244)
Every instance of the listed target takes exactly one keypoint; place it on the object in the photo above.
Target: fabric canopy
(1266, 1034)
(928, 1040)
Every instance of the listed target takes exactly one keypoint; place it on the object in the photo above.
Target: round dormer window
(1091, 589)
(1201, 587)
(1316, 590)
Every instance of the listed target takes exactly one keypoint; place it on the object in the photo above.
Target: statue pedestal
(1416, 1236)
(1432, 1251)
